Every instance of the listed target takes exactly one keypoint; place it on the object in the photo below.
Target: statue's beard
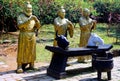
(28, 13)
(62, 16)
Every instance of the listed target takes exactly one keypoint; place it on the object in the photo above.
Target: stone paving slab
(40, 74)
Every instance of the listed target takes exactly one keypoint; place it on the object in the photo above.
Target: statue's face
(86, 12)
(28, 9)
(61, 13)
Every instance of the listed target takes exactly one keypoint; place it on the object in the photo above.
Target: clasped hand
(32, 17)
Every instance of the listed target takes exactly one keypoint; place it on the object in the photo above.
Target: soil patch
(8, 52)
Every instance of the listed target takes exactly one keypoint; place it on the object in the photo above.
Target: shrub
(106, 10)
(47, 12)
(8, 15)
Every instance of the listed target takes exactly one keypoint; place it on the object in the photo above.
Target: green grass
(101, 30)
(46, 36)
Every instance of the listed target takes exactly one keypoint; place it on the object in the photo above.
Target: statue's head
(62, 41)
(28, 8)
(86, 12)
(61, 12)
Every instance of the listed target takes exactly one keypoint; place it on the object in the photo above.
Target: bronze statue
(28, 24)
(86, 26)
(62, 25)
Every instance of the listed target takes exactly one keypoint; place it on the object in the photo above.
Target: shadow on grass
(44, 40)
(101, 29)
(39, 74)
(77, 71)
(83, 71)
(92, 79)
(116, 43)
(89, 79)
(7, 72)
(40, 69)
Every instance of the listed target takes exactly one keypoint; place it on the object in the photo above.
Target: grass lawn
(46, 37)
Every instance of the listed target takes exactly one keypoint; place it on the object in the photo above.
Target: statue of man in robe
(62, 25)
(86, 26)
(28, 25)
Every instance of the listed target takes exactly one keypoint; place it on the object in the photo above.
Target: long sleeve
(71, 29)
(22, 22)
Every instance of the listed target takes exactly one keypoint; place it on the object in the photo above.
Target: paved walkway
(40, 74)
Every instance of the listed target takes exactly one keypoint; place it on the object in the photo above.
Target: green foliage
(72, 11)
(105, 7)
(47, 12)
(10, 8)
(73, 8)
(101, 8)
(115, 7)
(8, 14)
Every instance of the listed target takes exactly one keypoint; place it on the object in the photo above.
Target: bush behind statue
(45, 11)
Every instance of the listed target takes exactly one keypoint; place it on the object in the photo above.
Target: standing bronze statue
(62, 25)
(28, 24)
(86, 26)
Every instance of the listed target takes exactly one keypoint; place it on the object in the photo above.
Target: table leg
(57, 66)
(109, 75)
(99, 75)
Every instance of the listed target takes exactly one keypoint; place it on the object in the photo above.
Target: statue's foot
(20, 70)
(68, 64)
(31, 68)
(81, 61)
(85, 61)
(24, 66)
